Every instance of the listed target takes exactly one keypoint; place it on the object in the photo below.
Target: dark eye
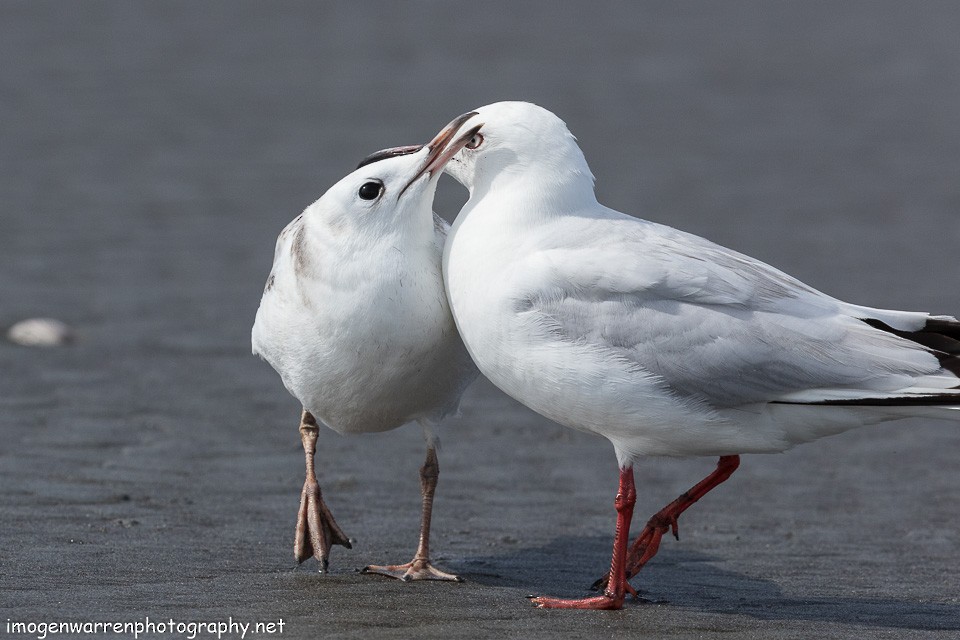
(475, 141)
(370, 190)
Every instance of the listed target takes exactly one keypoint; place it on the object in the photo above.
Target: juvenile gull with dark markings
(355, 320)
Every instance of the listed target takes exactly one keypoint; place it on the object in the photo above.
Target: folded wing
(722, 328)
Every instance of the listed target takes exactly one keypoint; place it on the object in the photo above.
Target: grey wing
(723, 328)
(732, 356)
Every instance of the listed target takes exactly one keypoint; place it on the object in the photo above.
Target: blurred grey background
(151, 152)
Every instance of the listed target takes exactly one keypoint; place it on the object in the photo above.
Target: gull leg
(648, 542)
(420, 567)
(316, 529)
(616, 590)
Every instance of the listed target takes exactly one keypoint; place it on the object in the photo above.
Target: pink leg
(420, 568)
(316, 529)
(614, 594)
(648, 542)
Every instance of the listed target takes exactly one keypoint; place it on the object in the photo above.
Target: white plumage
(354, 317)
(655, 338)
(659, 340)
(355, 320)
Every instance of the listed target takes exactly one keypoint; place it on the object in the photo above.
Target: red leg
(613, 595)
(648, 542)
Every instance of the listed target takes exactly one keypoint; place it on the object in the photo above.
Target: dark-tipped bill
(393, 152)
(441, 149)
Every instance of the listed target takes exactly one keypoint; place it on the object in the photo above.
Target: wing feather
(712, 324)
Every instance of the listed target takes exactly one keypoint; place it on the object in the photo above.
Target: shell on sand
(41, 332)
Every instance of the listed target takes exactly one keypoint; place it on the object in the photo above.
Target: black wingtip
(932, 400)
(942, 337)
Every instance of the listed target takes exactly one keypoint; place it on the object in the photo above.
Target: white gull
(355, 320)
(661, 341)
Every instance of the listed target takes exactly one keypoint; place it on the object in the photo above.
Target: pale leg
(316, 530)
(420, 568)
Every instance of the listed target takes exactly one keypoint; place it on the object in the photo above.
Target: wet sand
(150, 155)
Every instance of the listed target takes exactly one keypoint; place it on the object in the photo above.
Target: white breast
(366, 345)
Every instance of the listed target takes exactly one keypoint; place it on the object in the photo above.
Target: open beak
(433, 145)
(441, 148)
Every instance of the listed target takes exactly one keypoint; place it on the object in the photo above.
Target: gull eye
(475, 141)
(370, 190)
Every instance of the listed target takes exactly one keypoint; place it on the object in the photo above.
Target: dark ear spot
(298, 248)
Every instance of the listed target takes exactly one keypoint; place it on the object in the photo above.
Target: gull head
(519, 141)
(391, 187)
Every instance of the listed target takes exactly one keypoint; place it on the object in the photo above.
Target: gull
(661, 341)
(355, 320)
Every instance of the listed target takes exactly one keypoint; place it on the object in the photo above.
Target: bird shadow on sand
(690, 580)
